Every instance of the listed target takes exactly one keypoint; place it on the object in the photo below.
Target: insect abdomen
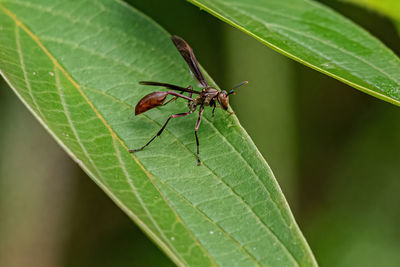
(150, 101)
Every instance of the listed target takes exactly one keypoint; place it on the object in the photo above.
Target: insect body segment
(207, 97)
(150, 101)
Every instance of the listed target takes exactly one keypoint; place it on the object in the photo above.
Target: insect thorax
(206, 96)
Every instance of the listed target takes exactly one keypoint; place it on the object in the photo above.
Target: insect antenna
(233, 89)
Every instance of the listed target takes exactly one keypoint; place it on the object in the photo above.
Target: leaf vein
(26, 78)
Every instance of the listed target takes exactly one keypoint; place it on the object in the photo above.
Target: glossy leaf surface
(318, 37)
(76, 65)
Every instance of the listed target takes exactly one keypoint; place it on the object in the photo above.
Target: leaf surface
(318, 37)
(76, 65)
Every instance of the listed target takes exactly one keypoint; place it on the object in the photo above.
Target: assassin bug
(208, 96)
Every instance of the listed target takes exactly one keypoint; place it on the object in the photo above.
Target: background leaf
(318, 37)
(76, 66)
(389, 8)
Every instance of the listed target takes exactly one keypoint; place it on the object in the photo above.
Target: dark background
(334, 150)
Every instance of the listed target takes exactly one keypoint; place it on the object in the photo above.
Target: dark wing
(170, 86)
(187, 53)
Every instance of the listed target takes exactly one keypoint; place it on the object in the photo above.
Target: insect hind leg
(161, 130)
(181, 92)
(195, 133)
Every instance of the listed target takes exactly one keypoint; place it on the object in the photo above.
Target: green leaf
(76, 66)
(389, 8)
(318, 37)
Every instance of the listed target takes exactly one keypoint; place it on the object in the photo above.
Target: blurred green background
(335, 152)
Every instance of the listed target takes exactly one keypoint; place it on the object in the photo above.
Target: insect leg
(161, 130)
(195, 133)
(180, 95)
(190, 95)
(172, 99)
(215, 105)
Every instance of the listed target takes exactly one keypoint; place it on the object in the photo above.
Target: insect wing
(170, 86)
(187, 53)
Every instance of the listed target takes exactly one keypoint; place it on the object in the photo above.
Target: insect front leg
(215, 105)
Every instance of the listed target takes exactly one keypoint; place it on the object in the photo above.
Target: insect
(208, 96)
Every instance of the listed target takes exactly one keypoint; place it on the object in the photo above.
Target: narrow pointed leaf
(389, 8)
(76, 65)
(318, 37)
